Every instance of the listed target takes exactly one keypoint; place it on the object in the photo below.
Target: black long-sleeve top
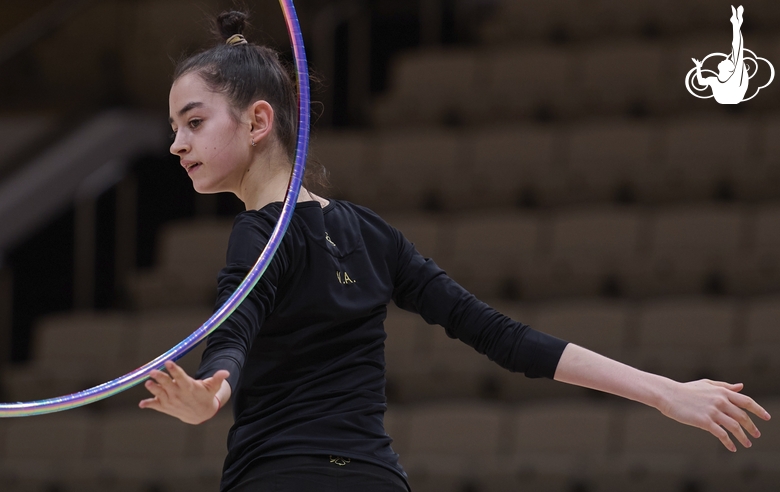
(305, 350)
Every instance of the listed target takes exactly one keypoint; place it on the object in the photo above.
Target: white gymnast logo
(730, 85)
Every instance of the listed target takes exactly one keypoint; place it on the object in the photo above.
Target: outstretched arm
(714, 406)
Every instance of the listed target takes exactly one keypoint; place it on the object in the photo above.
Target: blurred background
(545, 153)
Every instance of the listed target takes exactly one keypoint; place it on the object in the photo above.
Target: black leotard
(305, 351)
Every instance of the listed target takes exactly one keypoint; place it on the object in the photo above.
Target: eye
(173, 135)
(195, 123)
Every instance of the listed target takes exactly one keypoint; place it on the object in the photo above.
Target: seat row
(445, 446)
(75, 351)
(563, 19)
(684, 339)
(442, 446)
(600, 160)
(90, 450)
(726, 338)
(473, 86)
(617, 251)
(630, 251)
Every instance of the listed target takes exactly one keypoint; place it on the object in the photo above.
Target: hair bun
(231, 23)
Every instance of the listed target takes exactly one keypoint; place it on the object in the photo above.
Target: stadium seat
(346, 157)
(184, 275)
(407, 350)
(50, 447)
(756, 361)
(522, 19)
(420, 169)
(134, 443)
(427, 87)
(458, 431)
(513, 165)
(589, 252)
(684, 338)
(689, 251)
(87, 346)
(625, 78)
(703, 157)
(490, 252)
(601, 326)
(449, 443)
(457, 370)
(608, 160)
(578, 430)
(758, 271)
(425, 231)
(765, 183)
(161, 329)
(532, 81)
(212, 437)
(657, 453)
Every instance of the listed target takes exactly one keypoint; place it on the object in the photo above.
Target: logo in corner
(730, 84)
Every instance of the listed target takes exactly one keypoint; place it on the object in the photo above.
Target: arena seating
(557, 169)
(682, 159)
(561, 20)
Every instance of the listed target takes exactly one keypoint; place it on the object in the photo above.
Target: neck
(266, 181)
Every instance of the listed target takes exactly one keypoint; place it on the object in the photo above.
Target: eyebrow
(187, 107)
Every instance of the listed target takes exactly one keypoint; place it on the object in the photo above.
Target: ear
(261, 120)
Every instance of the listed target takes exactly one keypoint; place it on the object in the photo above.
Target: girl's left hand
(192, 401)
(716, 407)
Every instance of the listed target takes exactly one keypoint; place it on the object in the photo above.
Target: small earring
(254, 143)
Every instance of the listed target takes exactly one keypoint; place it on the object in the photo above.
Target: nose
(179, 146)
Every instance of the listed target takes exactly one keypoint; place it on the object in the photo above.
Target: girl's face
(214, 148)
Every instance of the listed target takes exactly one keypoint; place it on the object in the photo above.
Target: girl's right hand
(192, 401)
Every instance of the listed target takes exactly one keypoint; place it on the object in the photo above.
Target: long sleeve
(229, 344)
(422, 287)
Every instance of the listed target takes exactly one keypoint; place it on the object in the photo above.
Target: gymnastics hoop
(111, 388)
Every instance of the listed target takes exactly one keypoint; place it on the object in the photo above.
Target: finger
(175, 370)
(733, 426)
(152, 403)
(178, 374)
(733, 387)
(750, 405)
(722, 435)
(214, 383)
(157, 390)
(743, 419)
(162, 379)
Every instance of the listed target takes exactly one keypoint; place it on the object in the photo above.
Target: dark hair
(246, 73)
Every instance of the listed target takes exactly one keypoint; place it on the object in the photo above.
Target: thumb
(213, 383)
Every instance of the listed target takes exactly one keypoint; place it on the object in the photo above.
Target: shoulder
(255, 223)
(363, 215)
(252, 230)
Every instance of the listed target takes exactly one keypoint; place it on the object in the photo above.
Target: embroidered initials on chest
(344, 278)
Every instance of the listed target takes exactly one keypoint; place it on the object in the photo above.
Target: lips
(189, 166)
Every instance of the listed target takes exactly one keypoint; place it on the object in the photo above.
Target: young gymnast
(302, 358)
